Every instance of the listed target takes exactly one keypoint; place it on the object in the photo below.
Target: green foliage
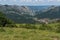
(5, 21)
(58, 29)
(45, 27)
(28, 26)
(28, 34)
(50, 27)
(2, 30)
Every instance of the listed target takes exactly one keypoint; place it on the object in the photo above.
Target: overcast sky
(30, 2)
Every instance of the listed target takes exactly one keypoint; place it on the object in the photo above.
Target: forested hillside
(4, 21)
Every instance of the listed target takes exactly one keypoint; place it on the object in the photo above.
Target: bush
(58, 29)
(45, 27)
(2, 30)
(10, 25)
(28, 26)
(5, 21)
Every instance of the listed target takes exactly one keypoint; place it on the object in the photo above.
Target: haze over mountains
(26, 14)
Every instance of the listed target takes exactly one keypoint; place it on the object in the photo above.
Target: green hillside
(4, 21)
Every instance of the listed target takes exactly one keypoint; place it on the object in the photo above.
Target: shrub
(28, 26)
(10, 25)
(45, 27)
(5, 21)
(58, 29)
(2, 30)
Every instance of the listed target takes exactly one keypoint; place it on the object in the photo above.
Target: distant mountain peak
(51, 12)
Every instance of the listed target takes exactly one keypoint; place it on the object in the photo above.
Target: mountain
(37, 8)
(51, 12)
(19, 14)
(29, 14)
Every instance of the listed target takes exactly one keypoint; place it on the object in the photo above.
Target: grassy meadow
(27, 34)
(31, 32)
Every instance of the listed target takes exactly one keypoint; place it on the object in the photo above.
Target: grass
(27, 34)
(31, 32)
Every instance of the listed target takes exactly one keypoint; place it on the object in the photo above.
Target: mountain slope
(5, 21)
(19, 14)
(27, 14)
(51, 12)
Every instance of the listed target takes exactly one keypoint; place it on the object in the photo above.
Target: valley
(29, 22)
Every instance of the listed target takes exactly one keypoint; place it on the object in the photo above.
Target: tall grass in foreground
(31, 32)
(27, 34)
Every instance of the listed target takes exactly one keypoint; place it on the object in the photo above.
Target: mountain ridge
(26, 14)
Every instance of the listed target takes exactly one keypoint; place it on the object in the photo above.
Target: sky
(30, 2)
